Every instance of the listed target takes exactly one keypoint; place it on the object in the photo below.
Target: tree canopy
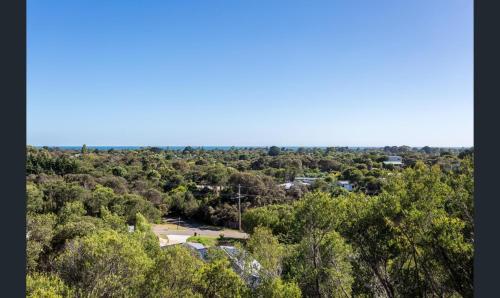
(402, 231)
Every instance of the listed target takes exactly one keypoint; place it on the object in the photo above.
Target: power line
(239, 207)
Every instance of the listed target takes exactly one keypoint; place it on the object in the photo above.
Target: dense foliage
(402, 232)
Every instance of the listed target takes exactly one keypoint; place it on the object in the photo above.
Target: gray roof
(394, 158)
(231, 250)
(306, 178)
(195, 245)
(235, 255)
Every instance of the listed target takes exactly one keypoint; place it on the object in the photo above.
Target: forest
(401, 230)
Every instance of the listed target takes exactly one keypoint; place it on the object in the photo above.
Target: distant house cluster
(210, 187)
(394, 160)
(308, 181)
(345, 184)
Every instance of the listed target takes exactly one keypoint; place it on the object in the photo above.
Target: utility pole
(239, 207)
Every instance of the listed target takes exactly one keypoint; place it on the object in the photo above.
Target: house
(198, 248)
(345, 184)
(305, 180)
(394, 160)
(210, 187)
(247, 268)
(131, 228)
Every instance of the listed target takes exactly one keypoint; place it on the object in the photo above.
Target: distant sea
(105, 148)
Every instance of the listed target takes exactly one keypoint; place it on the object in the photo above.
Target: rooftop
(195, 245)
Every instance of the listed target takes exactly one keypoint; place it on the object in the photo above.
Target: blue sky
(305, 73)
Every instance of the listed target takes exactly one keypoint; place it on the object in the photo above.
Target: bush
(39, 285)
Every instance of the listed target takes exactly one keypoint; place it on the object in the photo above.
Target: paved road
(190, 228)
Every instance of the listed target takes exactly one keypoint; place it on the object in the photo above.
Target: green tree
(174, 274)
(57, 193)
(266, 249)
(119, 171)
(274, 151)
(71, 210)
(144, 234)
(40, 285)
(101, 197)
(321, 260)
(39, 234)
(133, 204)
(104, 264)
(112, 220)
(352, 174)
(216, 175)
(154, 175)
(277, 288)
(278, 218)
(427, 232)
(322, 265)
(218, 280)
(34, 198)
(414, 239)
(73, 227)
(173, 181)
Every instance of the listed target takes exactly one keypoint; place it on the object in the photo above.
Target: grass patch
(205, 240)
(170, 226)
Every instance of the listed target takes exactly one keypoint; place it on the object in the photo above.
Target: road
(171, 226)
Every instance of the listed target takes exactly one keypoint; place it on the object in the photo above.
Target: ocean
(105, 148)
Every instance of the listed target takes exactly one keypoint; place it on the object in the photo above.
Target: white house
(345, 184)
(394, 160)
(287, 185)
(210, 187)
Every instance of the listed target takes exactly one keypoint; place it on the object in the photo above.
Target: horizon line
(262, 146)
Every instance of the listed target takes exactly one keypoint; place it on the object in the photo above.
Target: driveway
(173, 239)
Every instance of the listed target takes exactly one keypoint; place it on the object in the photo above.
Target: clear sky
(305, 73)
